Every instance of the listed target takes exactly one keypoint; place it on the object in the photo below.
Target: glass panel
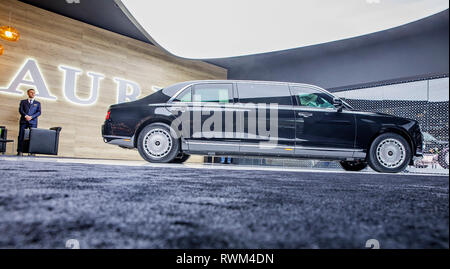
(215, 93)
(264, 93)
(185, 96)
(312, 98)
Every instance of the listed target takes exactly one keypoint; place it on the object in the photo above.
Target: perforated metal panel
(426, 101)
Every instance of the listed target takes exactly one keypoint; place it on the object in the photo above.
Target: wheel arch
(396, 130)
(148, 121)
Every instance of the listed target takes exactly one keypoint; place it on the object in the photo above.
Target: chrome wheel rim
(157, 143)
(391, 153)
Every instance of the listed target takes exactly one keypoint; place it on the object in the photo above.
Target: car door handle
(304, 114)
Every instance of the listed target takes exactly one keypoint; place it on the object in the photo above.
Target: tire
(353, 166)
(156, 144)
(443, 158)
(181, 159)
(389, 153)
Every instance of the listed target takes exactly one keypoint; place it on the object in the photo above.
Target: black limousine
(259, 118)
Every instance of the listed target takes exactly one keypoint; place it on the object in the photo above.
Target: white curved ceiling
(204, 29)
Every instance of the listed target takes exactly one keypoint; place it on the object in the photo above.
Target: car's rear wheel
(181, 159)
(156, 143)
(389, 153)
(443, 158)
(353, 166)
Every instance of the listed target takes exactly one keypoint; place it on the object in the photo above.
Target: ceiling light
(9, 33)
(201, 29)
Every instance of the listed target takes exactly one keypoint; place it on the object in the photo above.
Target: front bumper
(417, 137)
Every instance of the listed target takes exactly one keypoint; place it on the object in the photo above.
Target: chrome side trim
(281, 146)
(213, 147)
(278, 149)
(359, 154)
(242, 106)
(324, 154)
(210, 143)
(117, 137)
(159, 104)
(315, 109)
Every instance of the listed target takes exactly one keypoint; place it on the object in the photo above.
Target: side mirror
(338, 104)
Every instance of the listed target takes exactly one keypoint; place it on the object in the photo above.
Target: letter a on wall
(29, 69)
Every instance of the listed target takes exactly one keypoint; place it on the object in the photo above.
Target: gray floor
(43, 204)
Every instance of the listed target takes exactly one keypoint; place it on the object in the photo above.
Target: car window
(185, 96)
(264, 93)
(312, 98)
(213, 93)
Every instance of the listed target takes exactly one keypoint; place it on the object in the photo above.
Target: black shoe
(19, 154)
(32, 154)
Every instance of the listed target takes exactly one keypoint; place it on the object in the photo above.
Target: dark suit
(33, 110)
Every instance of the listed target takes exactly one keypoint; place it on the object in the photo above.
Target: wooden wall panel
(54, 40)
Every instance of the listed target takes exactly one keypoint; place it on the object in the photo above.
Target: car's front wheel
(353, 166)
(156, 144)
(389, 153)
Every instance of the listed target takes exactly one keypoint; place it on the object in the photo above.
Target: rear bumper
(121, 141)
(106, 129)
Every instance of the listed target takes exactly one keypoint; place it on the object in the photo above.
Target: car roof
(250, 81)
(185, 83)
(177, 88)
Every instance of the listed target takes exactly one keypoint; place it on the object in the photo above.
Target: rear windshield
(173, 89)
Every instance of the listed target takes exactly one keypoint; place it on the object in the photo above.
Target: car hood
(379, 114)
(374, 113)
(385, 115)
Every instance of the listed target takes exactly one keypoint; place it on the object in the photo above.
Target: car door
(321, 129)
(267, 120)
(210, 115)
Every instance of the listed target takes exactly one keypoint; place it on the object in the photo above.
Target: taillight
(107, 114)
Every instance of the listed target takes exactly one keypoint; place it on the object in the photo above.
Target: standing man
(29, 110)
